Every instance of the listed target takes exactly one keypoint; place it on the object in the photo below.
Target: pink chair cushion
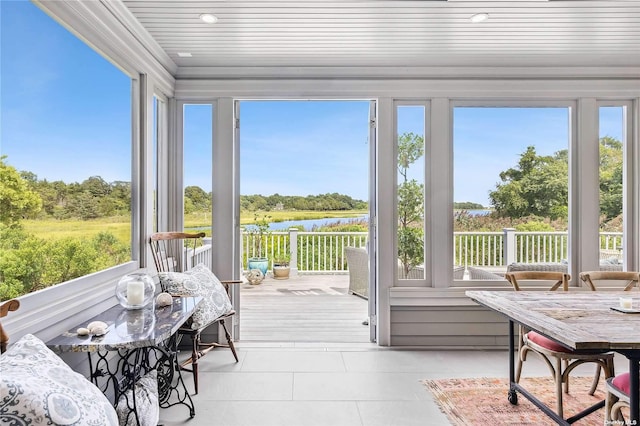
(621, 382)
(545, 342)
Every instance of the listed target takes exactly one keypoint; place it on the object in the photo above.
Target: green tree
(96, 186)
(537, 186)
(83, 205)
(468, 205)
(610, 177)
(201, 201)
(17, 200)
(28, 263)
(410, 204)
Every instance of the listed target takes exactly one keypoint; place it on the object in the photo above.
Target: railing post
(509, 245)
(293, 251)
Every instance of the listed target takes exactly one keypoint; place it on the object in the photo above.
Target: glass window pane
(154, 151)
(66, 146)
(411, 172)
(612, 130)
(511, 175)
(198, 169)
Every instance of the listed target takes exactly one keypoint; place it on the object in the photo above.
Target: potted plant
(281, 267)
(258, 234)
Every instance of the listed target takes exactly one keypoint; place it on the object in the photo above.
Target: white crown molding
(362, 88)
(397, 72)
(138, 31)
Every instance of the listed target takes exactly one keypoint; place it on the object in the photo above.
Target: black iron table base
(136, 342)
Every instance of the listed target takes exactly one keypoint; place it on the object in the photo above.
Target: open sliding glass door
(373, 295)
(237, 238)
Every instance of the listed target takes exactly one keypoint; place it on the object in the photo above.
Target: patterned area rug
(483, 401)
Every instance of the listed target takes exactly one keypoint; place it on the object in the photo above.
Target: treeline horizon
(95, 198)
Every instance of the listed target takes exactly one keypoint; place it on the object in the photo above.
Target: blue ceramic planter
(261, 263)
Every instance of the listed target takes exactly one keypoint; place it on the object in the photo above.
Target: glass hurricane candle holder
(138, 323)
(136, 290)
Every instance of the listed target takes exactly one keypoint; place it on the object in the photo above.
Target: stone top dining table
(579, 320)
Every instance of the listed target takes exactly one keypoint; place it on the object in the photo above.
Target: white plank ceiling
(394, 33)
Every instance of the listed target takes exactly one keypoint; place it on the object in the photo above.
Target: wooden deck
(304, 308)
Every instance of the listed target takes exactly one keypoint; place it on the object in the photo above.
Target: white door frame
(225, 198)
(373, 223)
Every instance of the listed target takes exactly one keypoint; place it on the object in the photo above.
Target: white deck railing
(318, 252)
(323, 252)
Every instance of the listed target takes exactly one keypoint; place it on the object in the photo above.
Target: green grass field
(121, 227)
(58, 229)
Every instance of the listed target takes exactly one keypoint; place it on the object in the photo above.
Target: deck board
(305, 308)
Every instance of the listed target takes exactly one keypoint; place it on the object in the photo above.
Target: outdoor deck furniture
(483, 274)
(580, 321)
(556, 267)
(611, 256)
(560, 360)
(175, 252)
(358, 265)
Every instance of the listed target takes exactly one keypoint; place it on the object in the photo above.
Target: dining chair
(175, 255)
(617, 399)
(618, 386)
(5, 308)
(610, 280)
(560, 360)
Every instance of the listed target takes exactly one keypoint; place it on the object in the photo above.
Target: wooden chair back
(630, 279)
(559, 279)
(173, 251)
(5, 308)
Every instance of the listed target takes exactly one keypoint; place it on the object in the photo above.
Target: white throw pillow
(147, 406)
(199, 281)
(38, 388)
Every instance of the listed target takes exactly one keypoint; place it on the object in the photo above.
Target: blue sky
(56, 92)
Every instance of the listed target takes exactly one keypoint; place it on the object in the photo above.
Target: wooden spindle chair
(174, 252)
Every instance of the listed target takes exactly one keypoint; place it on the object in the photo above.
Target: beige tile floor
(300, 384)
(293, 378)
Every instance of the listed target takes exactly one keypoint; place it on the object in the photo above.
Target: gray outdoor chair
(483, 274)
(358, 265)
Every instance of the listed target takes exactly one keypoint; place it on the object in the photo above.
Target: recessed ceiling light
(209, 18)
(479, 17)
(185, 54)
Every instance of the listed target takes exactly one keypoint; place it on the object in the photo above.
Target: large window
(66, 156)
(198, 136)
(511, 188)
(410, 129)
(612, 135)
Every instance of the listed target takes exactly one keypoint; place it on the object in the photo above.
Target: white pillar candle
(626, 302)
(135, 292)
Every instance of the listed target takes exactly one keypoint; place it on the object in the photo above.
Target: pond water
(478, 212)
(310, 223)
